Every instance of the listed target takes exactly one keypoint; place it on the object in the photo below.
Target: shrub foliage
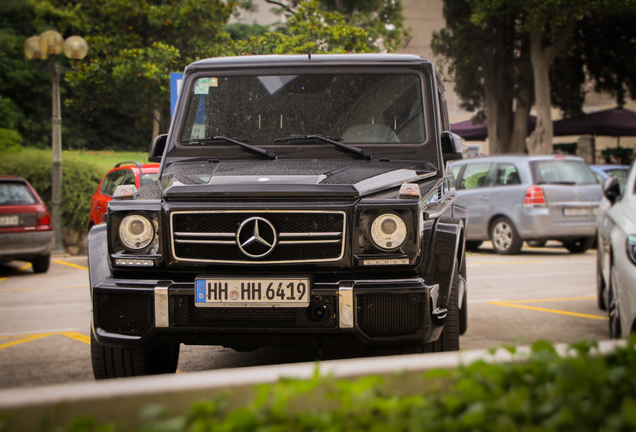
(583, 391)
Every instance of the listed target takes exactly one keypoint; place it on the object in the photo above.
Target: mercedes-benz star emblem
(256, 237)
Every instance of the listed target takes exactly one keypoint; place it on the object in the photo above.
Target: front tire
(613, 309)
(114, 362)
(504, 237)
(601, 286)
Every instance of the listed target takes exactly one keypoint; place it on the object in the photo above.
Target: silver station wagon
(516, 198)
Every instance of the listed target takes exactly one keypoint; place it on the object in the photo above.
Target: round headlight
(136, 232)
(388, 231)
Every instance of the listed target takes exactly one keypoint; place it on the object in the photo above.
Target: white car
(616, 269)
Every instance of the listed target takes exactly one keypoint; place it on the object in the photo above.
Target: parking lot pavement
(542, 293)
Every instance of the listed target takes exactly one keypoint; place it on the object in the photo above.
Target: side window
(455, 171)
(475, 176)
(113, 180)
(507, 174)
(444, 112)
(130, 178)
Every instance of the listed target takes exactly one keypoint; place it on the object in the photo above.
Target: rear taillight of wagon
(534, 196)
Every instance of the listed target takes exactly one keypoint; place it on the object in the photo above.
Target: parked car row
(26, 232)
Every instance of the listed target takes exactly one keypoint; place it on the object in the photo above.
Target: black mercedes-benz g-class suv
(301, 199)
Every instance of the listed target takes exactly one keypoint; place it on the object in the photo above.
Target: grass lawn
(104, 159)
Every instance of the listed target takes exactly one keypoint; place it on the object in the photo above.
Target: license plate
(252, 292)
(9, 220)
(576, 211)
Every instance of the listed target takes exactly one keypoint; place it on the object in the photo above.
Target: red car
(124, 173)
(25, 224)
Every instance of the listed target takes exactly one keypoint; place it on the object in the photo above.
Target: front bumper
(376, 313)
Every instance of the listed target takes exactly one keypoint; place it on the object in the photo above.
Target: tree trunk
(498, 85)
(540, 141)
(498, 97)
(520, 122)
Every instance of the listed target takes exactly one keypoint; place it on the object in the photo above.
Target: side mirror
(612, 189)
(158, 146)
(453, 146)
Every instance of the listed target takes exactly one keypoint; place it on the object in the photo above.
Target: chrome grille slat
(289, 242)
(304, 236)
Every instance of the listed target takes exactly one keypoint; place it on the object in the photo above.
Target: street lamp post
(50, 44)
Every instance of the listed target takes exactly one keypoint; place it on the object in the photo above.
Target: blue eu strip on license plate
(251, 292)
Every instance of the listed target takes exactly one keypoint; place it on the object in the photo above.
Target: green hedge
(79, 181)
(582, 392)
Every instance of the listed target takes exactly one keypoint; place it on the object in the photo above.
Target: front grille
(298, 236)
(125, 313)
(186, 314)
(391, 314)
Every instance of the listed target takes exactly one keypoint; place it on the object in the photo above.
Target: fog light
(134, 262)
(386, 261)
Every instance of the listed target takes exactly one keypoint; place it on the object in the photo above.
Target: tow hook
(439, 315)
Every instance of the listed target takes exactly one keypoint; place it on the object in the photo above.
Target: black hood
(285, 178)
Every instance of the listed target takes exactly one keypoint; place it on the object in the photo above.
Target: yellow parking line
(78, 337)
(509, 304)
(547, 300)
(505, 262)
(71, 264)
(24, 339)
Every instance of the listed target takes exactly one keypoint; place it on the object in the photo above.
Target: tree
(489, 66)
(128, 70)
(309, 29)
(544, 63)
(382, 20)
(25, 87)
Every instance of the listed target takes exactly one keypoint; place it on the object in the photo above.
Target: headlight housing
(388, 231)
(631, 248)
(136, 232)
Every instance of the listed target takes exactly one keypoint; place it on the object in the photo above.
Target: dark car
(26, 233)
(301, 202)
(124, 173)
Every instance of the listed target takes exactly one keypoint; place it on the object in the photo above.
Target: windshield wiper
(256, 150)
(347, 148)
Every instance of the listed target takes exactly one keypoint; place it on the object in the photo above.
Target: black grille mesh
(125, 313)
(188, 315)
(230, 222)
(391, 314)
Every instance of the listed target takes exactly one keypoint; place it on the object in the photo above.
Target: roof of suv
(306, 59)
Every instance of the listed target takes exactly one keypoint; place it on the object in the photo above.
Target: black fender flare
(98, 260)
(447, 254)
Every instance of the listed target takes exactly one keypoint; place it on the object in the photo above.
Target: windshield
(349, 108)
